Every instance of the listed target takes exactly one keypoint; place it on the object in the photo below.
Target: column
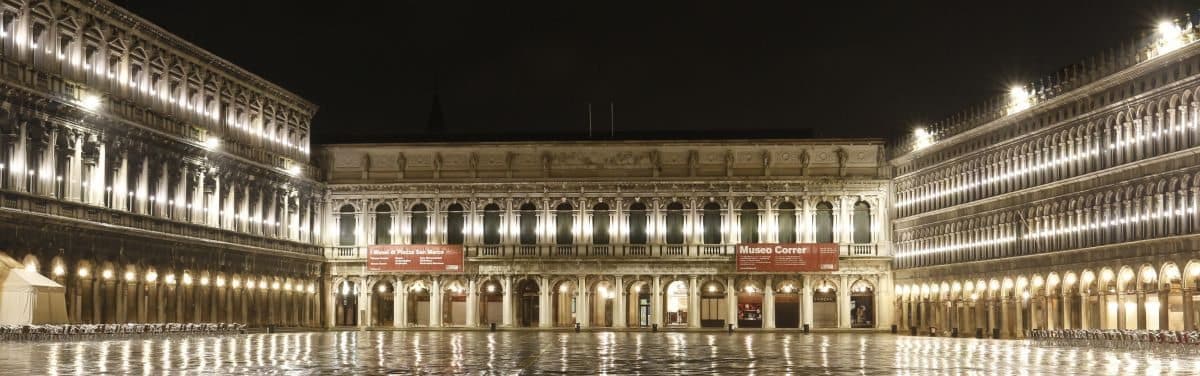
(583, 312)
(1006, 316)
(806, 301)
(1189, 322)
(843, 302)
(693, 312)
(1141, 310)
(622, 300)
(544, 298)
(330, 303)
(730, 302)
(507, 301)
(402, 304)
(472, 304)
(364, 303)
(435, 303)
(656, 302)
(769, 305)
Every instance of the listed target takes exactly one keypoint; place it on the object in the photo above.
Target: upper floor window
(455, 223)
(564, 220)
(600, 224)
(419, 225)
(749, 222)
(823, 223)
(711, 219)
(787, 222)
(491, 224)
(383, 224)
(674, 233)
(862, 222)
(638, 218)
(346, 225)
(527, 219)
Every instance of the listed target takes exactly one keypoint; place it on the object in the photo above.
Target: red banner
(803, 257)
(415, 258)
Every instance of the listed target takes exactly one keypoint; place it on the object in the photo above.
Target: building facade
(155, 181)
(1070, 203)
(608, 234)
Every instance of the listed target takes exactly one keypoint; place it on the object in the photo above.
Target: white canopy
(29, 298)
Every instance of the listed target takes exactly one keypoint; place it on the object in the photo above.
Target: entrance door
(529, 310)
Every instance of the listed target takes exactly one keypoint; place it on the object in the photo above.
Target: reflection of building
(154, 180)
(606, 234)
(1067, 204)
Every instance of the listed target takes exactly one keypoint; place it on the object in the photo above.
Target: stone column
(583, 295)
(768, 305)
(622, 300)
(693, 314)
(843, 302)
(1084, 310)
(1189, 322)
(656, 302)
(730, 302)
(806, 302)
(544, 298)
(472, 304)
(1141, 310)
(435, 303)
(330, 304)
(399, 319)
(507, 301)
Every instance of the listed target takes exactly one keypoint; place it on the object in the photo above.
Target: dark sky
(850, 69)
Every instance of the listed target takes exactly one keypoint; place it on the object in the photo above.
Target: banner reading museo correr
(415, 258)
(795, 257)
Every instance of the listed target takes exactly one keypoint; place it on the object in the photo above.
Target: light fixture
(58, 270)
(294, 170)
(382, 288)
(83, 272)
(129, 276)
(187, 278)
(90, 102)
(220, 281)
(203, 281)
(921, 138)
(151, 276)
(491, 288)
(236, 283)
(211, 142)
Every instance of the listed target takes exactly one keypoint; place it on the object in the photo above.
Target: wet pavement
(529, 352)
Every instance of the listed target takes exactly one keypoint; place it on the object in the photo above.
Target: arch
(674, 223)
(383, 224)
(711, 221)
(600, 223)
(786, 222)
(861, 219)
(418, 224)
(348, 227)
(491, 224)
(564, 221)
(748, 218)
(823, 222)
(383, 303)
(456, 224)
(527, 300)
(639, 219)
(527, 219)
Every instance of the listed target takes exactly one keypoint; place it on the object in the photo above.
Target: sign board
(794, 257)
(444, 258)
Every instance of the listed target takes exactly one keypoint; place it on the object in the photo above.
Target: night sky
(849, 69)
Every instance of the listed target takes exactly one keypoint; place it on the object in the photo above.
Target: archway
(601, 304)
(527, 303)
(750, 305)
(712, 304)
(639, 304)
(454, 303)
(563, 304)
(1171, 294)
(347, 302)
(676, 306)
(418, 304)
(825, 305)
(1127, 287)
(491, 302)
(1152, 306)
(787, 304)
(1107, 287)
(862, 304)
(1090, 294)
(383, 304)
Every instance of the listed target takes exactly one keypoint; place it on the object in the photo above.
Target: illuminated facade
(155, 181)
(609, 233)
(1066, 204)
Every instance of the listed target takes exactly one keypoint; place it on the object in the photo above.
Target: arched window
(637, 223)
(528, 222)
(749, 222)
(564, 221)
(674, 223)
(824, 222)
(787, 222)
(712, 223)
(862, 222)
(420, 225)
(346, 225)
(383, 224)
(600, 224)
(491, 224)
(455, 223)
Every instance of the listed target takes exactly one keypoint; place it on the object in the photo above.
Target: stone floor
(527, 352)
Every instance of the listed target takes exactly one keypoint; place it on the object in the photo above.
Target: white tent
(29, 298)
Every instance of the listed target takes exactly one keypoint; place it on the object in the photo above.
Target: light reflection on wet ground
(446, 352)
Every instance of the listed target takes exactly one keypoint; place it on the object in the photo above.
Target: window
(564, 220)
(528, 222)
(862, 222)
(419, 226)
(674, 223)
(749, 223)
(600, 224)
(491, 224)
(383, 224)
(455, 222)
(824, 222)
(637, 223)
(712, 223)
(346, 225)
(787, 223)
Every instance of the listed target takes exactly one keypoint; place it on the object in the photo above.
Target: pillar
(507, 301)
(622, 300)
(330, 304)
(656, 302)
(768, 305)
(843, 302)
(398, 319)
(730, 302)
(1141, 310)
(693, 314)
(472, 304)
(544, 298)
(435, 303)
(806, 302)
(1189, 322)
